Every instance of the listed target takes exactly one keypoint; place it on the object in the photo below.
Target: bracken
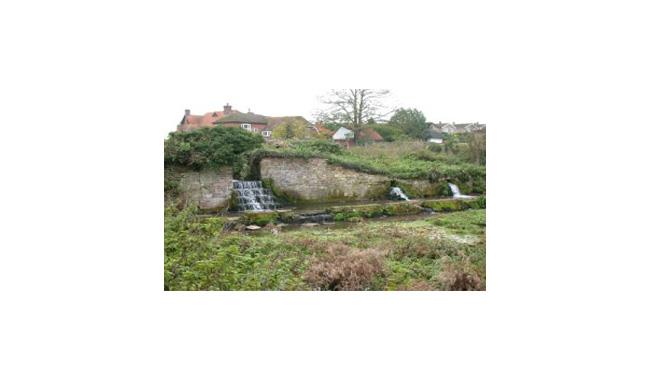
(345, 268)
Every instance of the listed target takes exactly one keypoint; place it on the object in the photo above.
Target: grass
(431, 253)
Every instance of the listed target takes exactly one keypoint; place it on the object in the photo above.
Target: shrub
(209, 147)
(417, 246)
(344, 268)
(172, 184)
(412, 122)
(459, 274)
(290, 130)
(389, 132)
(319, 146)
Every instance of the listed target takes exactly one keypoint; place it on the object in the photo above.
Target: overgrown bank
(440, 252)
(401, 160)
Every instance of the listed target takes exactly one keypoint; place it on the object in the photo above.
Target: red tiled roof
(321, 130)
(192, 122)
(370, 134)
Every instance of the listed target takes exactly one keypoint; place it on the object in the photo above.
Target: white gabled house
(343, 134)
(344, 137)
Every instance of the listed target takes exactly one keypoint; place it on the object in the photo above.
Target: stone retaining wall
(210, 189)
(311, 180)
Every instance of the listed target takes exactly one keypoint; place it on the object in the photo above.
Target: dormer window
(246, 127)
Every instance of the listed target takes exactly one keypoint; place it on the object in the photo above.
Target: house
(453, 128)
(249, 121)
(368, 136)
(344, 137)
(319, 130)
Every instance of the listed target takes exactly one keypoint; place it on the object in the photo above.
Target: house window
(246, 127)
(266, 133)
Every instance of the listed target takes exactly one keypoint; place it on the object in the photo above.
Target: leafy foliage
(291, 130)
(209, 147)
(412, 122)
(390, 132)
(318, 146)
(198, 256)
(414, 255)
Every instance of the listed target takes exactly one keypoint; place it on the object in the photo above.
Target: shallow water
(339, 225)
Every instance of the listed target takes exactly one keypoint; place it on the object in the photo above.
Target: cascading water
(397, 193)
(252, 196)
(456, 191)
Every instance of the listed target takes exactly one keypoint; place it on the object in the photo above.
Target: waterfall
(397, 193)
(252, 196)
(456, 191)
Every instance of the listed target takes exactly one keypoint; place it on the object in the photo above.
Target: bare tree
(354, 106)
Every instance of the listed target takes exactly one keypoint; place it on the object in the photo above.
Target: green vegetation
(389, 132)
(291, 129)
(209, 147)
(448, 205)
(402, 160)
(412, 122)
(440, 252)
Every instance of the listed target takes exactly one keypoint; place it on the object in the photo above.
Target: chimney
(227, 109)
(187, 112)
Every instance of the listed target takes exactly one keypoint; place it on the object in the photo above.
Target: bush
(389, 132)
(412, 122)
(319, 146)
(171, 184)
(345, 268)
(209, 147)
(459, 274)
(416, 246)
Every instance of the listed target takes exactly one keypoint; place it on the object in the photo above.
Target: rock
(310, 224)
(253, 227)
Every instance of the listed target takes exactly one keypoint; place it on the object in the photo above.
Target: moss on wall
(449, 205)
(259, 218)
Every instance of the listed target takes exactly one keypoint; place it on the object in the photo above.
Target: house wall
(210, 189)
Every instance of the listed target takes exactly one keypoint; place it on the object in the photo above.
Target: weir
(251, 196)
(397, 193)
(456, 192)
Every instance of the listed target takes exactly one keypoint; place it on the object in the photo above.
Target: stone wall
(312, 180)
(210, 189)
